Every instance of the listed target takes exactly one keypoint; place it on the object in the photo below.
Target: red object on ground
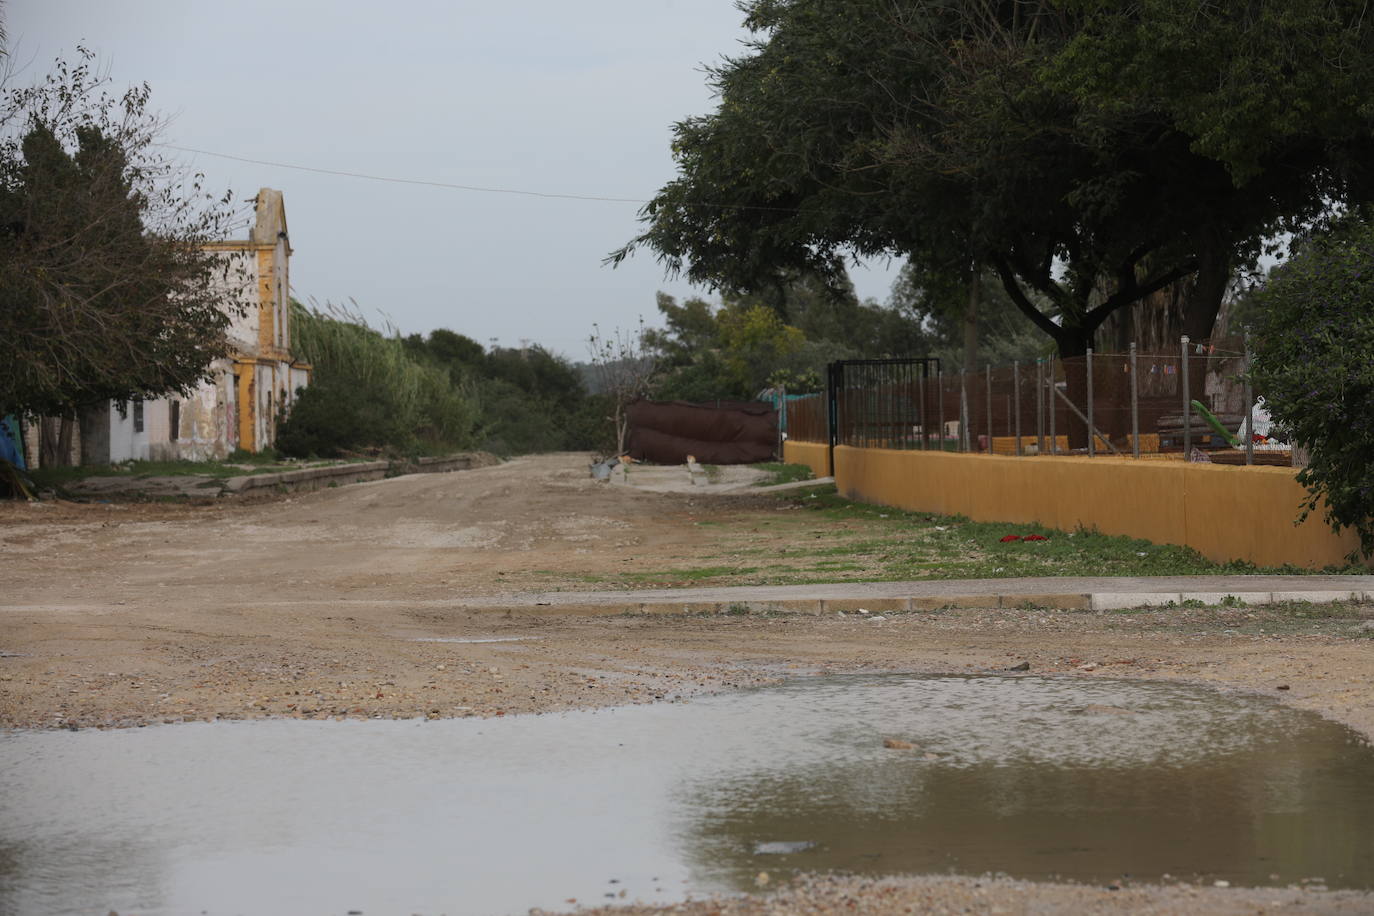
(1011, 537)
(1035, 537)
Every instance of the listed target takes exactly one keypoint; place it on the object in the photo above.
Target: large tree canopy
(105, 290)
(1090, 152)
(1314, 363)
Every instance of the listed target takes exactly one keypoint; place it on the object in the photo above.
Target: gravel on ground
(350, 602)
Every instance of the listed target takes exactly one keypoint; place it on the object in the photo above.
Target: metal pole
(1135, 406)
(963, 411)
(1016, 396)
(940, 388)
(1092, 427)
(782, 423)
(1187, 407)
(921, 387)
(1054, 440)
(987, 421)
(1073, 408)
(1040, 407)
(1249, 409)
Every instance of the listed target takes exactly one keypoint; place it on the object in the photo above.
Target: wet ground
(1106, 782)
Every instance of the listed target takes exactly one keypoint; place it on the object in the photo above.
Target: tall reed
(367, 392)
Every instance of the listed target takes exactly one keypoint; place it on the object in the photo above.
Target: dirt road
(348, 602)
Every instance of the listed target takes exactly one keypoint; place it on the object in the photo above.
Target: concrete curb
(308, 478)
(286, 481)
(577, 606)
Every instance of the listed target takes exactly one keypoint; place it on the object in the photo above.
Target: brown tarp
(725, 432)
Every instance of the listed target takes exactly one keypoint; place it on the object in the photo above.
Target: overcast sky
(542, 95)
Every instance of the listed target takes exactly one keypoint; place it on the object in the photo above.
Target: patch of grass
(1307, 610)
(836, 540)
(779, 472)
(238, 464)
(959, 548)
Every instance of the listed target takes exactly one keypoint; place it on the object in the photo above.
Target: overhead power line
(416, 181)
(461, 187)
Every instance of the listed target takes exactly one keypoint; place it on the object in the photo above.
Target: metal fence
(805, 419)
(1194, 402)
(883, 403)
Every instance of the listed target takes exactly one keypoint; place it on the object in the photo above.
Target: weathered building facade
(246, 394)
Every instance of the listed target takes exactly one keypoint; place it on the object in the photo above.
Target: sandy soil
(344, 603)
(931, 895)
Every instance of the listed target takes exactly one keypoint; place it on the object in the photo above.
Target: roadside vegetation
(376, 393)
(779, 472)
(825, 538)
(1314, 335)
(368, 394)
(235, 465)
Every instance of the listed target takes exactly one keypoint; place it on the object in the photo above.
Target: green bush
(1314, 364)
(369, 393)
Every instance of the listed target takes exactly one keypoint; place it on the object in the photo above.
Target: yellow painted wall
(815, 455)
(245, 398)
(1226, 513)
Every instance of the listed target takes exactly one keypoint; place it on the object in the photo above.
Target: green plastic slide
(1213, 422)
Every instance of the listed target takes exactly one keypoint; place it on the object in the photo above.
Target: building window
(173, 420)
(138, 415)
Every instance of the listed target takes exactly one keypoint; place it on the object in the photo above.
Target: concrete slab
(1247, 598)
(940, 602)
(1068, 593)
(875, 605)
(1319, 596)
(1121, 601)
(1060, 601)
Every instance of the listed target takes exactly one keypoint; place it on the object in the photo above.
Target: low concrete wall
(815, 455)
(339, 474)
(445, 463)
(309, 478)
(1226, 513)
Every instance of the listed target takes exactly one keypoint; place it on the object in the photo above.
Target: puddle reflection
(1035, 777)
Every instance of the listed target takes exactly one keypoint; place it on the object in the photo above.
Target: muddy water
(1071, 778)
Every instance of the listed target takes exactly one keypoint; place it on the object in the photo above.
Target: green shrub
(1314, 364)
(369, 393)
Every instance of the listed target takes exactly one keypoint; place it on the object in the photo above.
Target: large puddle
(1075, 779)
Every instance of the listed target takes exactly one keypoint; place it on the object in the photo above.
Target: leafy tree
(105, 290)
(1089, 152)
(1314, 364)
(736, 349)
(731, 351)
(530, 399)
(939, 305)
(370, 393)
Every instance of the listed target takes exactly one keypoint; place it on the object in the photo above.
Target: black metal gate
(884, 403)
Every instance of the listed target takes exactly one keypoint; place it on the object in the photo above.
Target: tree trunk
(55, 442)
(1073, 351)
(64, 442)
(1209, 287)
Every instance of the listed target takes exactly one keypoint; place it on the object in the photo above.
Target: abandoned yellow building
(247, 393)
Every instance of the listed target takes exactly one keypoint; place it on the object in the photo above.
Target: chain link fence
(1193, 403)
